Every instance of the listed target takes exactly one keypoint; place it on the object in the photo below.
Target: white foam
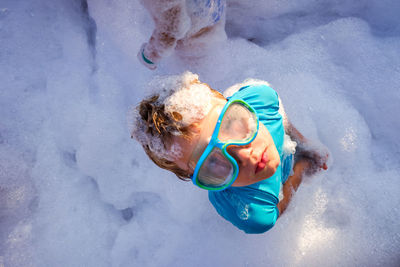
(79, 192)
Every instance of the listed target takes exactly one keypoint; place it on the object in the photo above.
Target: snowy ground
(76, 191)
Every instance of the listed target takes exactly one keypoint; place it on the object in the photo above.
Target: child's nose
(240, 153)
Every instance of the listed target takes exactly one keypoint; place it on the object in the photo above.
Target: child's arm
(317, 154)
(305, 148)
(171, 24)
(309, 159)
(292, 183)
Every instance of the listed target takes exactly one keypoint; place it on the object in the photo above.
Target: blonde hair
(179, 102)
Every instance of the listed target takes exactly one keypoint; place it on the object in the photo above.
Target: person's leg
(200, 43)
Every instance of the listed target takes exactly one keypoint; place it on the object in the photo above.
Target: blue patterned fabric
(214, 9)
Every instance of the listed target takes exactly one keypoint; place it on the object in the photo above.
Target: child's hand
(317, 155)
(320, 158)
(144, 58)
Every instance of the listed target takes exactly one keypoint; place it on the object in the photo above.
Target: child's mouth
(262, 163)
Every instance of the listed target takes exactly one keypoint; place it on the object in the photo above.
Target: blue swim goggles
(237, 125)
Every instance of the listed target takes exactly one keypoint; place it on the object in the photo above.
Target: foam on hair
(183, 96)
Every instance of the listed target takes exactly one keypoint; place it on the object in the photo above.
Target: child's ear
(195, 128)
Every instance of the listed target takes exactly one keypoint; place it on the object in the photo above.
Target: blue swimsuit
(253, 208)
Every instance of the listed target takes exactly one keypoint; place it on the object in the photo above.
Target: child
(187, 25)
(240, 148)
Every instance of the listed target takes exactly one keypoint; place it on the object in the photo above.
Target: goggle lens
(216, 170)
(239, 124)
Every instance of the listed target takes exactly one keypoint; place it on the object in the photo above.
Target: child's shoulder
(260, 87)
(254, 92)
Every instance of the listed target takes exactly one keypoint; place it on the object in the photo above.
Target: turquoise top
(253, 208)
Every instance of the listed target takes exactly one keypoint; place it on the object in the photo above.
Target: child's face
(257, 160)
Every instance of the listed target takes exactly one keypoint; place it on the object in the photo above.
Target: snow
(75, 190)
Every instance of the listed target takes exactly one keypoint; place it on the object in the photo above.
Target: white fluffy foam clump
(250, 81)
(181, 94)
